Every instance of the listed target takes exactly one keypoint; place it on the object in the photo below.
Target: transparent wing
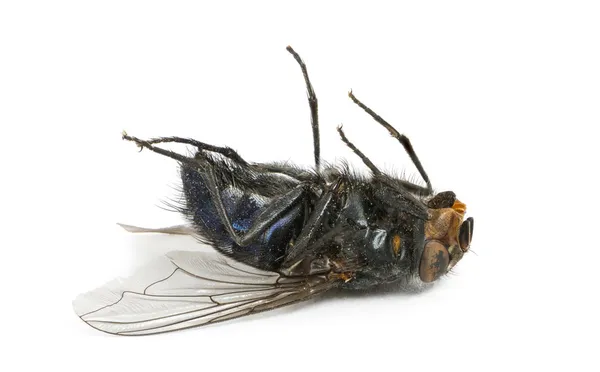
(176, 230)
(188, 289)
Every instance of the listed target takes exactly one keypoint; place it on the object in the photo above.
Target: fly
(282, 234)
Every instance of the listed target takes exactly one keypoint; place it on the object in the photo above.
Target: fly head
(447, 236)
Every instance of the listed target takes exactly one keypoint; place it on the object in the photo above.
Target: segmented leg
(298, 174)
(377, 173)
(326, 203)
(264, 220)
(225, 151)
(314, 108)
(362, 156)
(404, 141)
(171, 154)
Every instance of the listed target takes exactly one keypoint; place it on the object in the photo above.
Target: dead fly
(284, 234)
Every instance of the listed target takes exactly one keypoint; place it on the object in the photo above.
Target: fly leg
(376, 172)
(362, 156)
(231, 154)
(271, 214)
(170, 154)
(265, 219)
(225, 151)
(404, 141)
(314, 108)
(325, 206)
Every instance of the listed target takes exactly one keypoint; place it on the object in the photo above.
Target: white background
(501, 102)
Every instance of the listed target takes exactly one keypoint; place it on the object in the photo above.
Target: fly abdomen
(242, 207)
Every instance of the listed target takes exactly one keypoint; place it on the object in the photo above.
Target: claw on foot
(137, 141)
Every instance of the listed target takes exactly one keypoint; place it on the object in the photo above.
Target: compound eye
(465, 234)
(434, 261)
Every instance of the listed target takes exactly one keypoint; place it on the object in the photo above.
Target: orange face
(447, 238)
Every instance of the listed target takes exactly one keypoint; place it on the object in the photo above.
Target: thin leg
(362, 156)
(314, 108)
(404, 184)
(400, 137)
(225, 151)
(173, 155)
(321, 211)
(264, 220)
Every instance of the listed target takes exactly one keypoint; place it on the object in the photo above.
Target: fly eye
(396, 243)
(466, 233)
(443, 199)
(434, 261)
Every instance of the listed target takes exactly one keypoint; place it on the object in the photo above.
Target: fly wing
(188, 289)
(175, 230)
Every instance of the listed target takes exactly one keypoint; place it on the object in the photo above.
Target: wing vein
(248, 272)
(162, 280)
(187, 320)
(168, 295)
(217, 280)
